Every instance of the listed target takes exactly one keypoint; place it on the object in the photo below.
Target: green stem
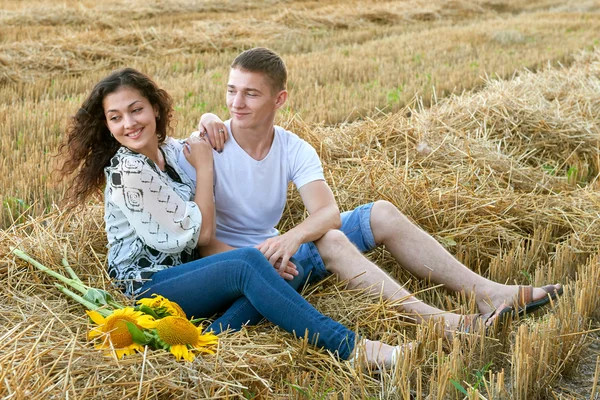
(87, 304)
(75, 284)
(73, 274)
(114, 304)
(69, 270)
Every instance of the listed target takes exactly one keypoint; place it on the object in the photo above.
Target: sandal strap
(525, 295)
(550, 289)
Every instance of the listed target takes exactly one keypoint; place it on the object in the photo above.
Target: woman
(155, 221)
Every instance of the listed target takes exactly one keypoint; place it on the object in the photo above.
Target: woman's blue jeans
(216, 283)
(242, 312)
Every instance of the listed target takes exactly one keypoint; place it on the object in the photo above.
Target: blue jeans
(241, 312)
(212, 284)
(356, 225)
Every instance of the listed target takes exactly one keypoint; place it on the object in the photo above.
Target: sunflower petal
(181, 351)
(207, 339)
(146, 321)
(94, 333)
(96, 317)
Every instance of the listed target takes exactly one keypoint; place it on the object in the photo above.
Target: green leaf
(459, 387)
(549, 169)
(149, 311)
(448, 241)
(97, 296)
(137, 334)
(526, 274)
(299, 389)
(153, 340)
(572, 173)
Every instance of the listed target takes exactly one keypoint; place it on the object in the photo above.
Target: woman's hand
(198, 152)
(214, 127)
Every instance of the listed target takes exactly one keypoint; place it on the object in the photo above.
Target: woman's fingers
(198, 150)
(216, 132)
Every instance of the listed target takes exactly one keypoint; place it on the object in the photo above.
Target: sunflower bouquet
(155, 321)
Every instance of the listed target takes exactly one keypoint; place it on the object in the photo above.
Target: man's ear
(281, 98)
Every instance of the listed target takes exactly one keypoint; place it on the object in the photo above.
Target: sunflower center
(119, 334)
(177, 330)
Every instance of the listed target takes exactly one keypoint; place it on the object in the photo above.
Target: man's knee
(342, 258)
(386, 217)
(383, 209)
(332, 243)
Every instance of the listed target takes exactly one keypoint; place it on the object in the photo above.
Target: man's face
(251, 99)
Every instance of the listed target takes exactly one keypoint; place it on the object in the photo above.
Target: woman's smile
(131, 119)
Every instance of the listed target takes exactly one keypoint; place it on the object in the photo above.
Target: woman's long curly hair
(90, 146)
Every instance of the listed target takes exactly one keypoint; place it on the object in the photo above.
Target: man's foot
(527, 304)
(520, 299)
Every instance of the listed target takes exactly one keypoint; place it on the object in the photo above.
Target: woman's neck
(157, 157)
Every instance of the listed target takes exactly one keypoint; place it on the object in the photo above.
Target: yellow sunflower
(115, 332)
(179, 334)
(161, 302)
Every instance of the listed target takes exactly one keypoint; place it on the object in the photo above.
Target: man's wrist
(297, 236)
(208, 117)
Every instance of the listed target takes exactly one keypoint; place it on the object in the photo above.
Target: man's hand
(215, 129)
(289, 272)
(280, 249)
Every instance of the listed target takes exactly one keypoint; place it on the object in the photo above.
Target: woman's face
(132, 120)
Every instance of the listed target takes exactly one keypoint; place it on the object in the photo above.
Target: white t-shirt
(250, 195)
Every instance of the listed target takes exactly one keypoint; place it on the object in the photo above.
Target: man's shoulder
(289, 139)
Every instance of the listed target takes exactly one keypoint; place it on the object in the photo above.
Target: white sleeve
(185, 165)
(304, 163)
(160, 217)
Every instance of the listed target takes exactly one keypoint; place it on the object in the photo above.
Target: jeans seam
(237, 312)
(365, 223)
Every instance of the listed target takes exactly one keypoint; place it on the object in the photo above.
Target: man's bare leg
(424, 257)
(343, 259)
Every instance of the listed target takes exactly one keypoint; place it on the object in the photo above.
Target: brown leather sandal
(527, 305)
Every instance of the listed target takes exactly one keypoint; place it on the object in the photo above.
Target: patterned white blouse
(151, 219)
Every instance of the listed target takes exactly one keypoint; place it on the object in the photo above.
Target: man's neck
(256, 142)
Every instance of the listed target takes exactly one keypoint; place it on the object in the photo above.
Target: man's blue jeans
(212, 284)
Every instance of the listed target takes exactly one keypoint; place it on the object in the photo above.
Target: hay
(490, 174)
(505, 176)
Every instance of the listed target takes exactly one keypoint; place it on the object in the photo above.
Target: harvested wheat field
(479, 119)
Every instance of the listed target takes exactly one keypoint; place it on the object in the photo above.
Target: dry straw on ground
(347, 60)
(505, 177)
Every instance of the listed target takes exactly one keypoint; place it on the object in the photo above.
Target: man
(252, 173)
